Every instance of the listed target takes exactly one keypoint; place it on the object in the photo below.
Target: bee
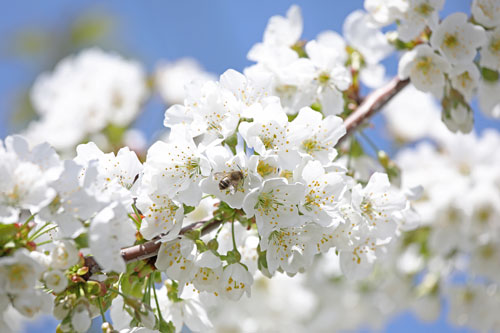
(230, 180)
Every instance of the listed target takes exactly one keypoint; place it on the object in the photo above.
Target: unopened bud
(383, 158)
(213, 244)
(107, 328)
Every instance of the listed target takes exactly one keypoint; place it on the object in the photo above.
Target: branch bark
(370, 105)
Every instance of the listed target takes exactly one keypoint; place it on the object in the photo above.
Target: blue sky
(217, 33)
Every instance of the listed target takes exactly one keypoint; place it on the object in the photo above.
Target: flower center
(267, 141)
(424, 65)
(267, 202)
(193, 166)
(424, 9)
(495, 45)
(464, 78)
(323, 78)
(17, 273)
(367, 208)
(311, 145)
(450, 40)
(264, 169)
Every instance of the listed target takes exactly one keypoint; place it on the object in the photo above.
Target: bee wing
(232, 189)
(219, 175)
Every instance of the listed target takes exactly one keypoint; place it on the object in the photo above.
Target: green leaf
(82, 241)
(114, 133)
(299, 48)
(316, 107)
(291, 117)
(7, 232)
(89, 29)
(188, 209)
(489, 75)
(231, 141)
(31, 42)
(356, 149)
(166, 327)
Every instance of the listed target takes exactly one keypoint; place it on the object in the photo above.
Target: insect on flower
(230, 180)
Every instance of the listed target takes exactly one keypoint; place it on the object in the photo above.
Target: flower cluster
(457, 241)
(252, 181)
(453, 59)
(84, 95)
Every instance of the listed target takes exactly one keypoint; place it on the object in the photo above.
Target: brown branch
(150, 248)
(370, 105)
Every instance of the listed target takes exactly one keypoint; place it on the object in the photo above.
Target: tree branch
(150, 248)
(370, 105)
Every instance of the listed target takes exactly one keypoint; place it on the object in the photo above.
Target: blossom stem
(370, 142)
(99, 301)
(118, 292)
(160, 317)
(40, 231)
(349, 157)
(29, 219)
(235, 248)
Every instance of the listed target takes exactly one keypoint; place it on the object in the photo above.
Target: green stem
(232, 235)
(29, 219)
(118, 292)
(137, 220)
(349, 157)
(35, 235)
(32, 238)
(157, 305)
(146, 298)
(99, 301)
(43, 243)
(370, 142)
(218, 231)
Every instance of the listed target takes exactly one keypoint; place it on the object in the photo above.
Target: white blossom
(83, 94)
(418, 15)
(189, 311)
(489, 98)
(19, 272)
(25, 175)
(80, 317)
(490, 50)
(486, 12)
(171, 78)
(465, 79)
(274, 205)
(385, 12)
(63, 255)
(55, 280)
(110, 230)
(425, 68)
(236, 280)
(268, 135)
(315, 136)
(457, 40)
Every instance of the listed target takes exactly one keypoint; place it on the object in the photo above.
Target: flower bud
(61, 310)
(213, 244)
(80, 318)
